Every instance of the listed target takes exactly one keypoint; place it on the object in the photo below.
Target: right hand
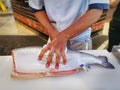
(56, 46)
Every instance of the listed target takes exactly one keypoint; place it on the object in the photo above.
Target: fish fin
(88, 66)
(85, 67)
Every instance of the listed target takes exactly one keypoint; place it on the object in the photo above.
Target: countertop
(97, 78)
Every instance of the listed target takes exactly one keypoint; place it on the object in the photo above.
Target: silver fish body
(85, 59)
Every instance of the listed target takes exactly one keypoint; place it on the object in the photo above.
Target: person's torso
(65, 12)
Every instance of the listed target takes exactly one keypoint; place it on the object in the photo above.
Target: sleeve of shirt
(99, 4)
(35, 5)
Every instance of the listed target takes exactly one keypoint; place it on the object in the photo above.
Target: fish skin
(88, 59)
(85, 60)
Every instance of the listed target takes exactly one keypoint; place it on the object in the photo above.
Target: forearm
(114, 3)
(43, 19)
(82, 23)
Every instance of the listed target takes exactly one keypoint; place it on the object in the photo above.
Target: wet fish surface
(26, 64)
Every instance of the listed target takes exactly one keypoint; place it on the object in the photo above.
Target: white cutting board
(97, 78)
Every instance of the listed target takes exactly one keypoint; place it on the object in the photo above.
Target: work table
(97, 78)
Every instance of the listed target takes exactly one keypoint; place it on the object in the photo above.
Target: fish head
(106, 63)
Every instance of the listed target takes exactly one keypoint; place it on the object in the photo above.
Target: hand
(56, 46)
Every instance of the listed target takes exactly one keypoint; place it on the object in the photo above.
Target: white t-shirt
(66, 12)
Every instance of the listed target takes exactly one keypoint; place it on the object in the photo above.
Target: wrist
(53, 34)
(64, 35)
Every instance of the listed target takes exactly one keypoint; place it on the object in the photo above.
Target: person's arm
(37, 8)
(43, 19)
(114, 3)
(58, 44)
(83, 23)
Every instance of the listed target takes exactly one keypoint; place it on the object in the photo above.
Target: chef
(67, 23)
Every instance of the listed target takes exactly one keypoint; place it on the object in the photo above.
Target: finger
(49, 59)
(42, 53)
(57, 60)
(64, 58)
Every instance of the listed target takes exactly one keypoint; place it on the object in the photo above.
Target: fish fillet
(26, 64)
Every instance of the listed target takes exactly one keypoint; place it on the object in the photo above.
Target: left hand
(56, 46)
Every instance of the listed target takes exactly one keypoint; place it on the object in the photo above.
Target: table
(97, 78)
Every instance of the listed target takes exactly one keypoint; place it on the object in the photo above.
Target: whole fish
(26, 64)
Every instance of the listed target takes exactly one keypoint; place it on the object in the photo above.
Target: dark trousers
(114, 34)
